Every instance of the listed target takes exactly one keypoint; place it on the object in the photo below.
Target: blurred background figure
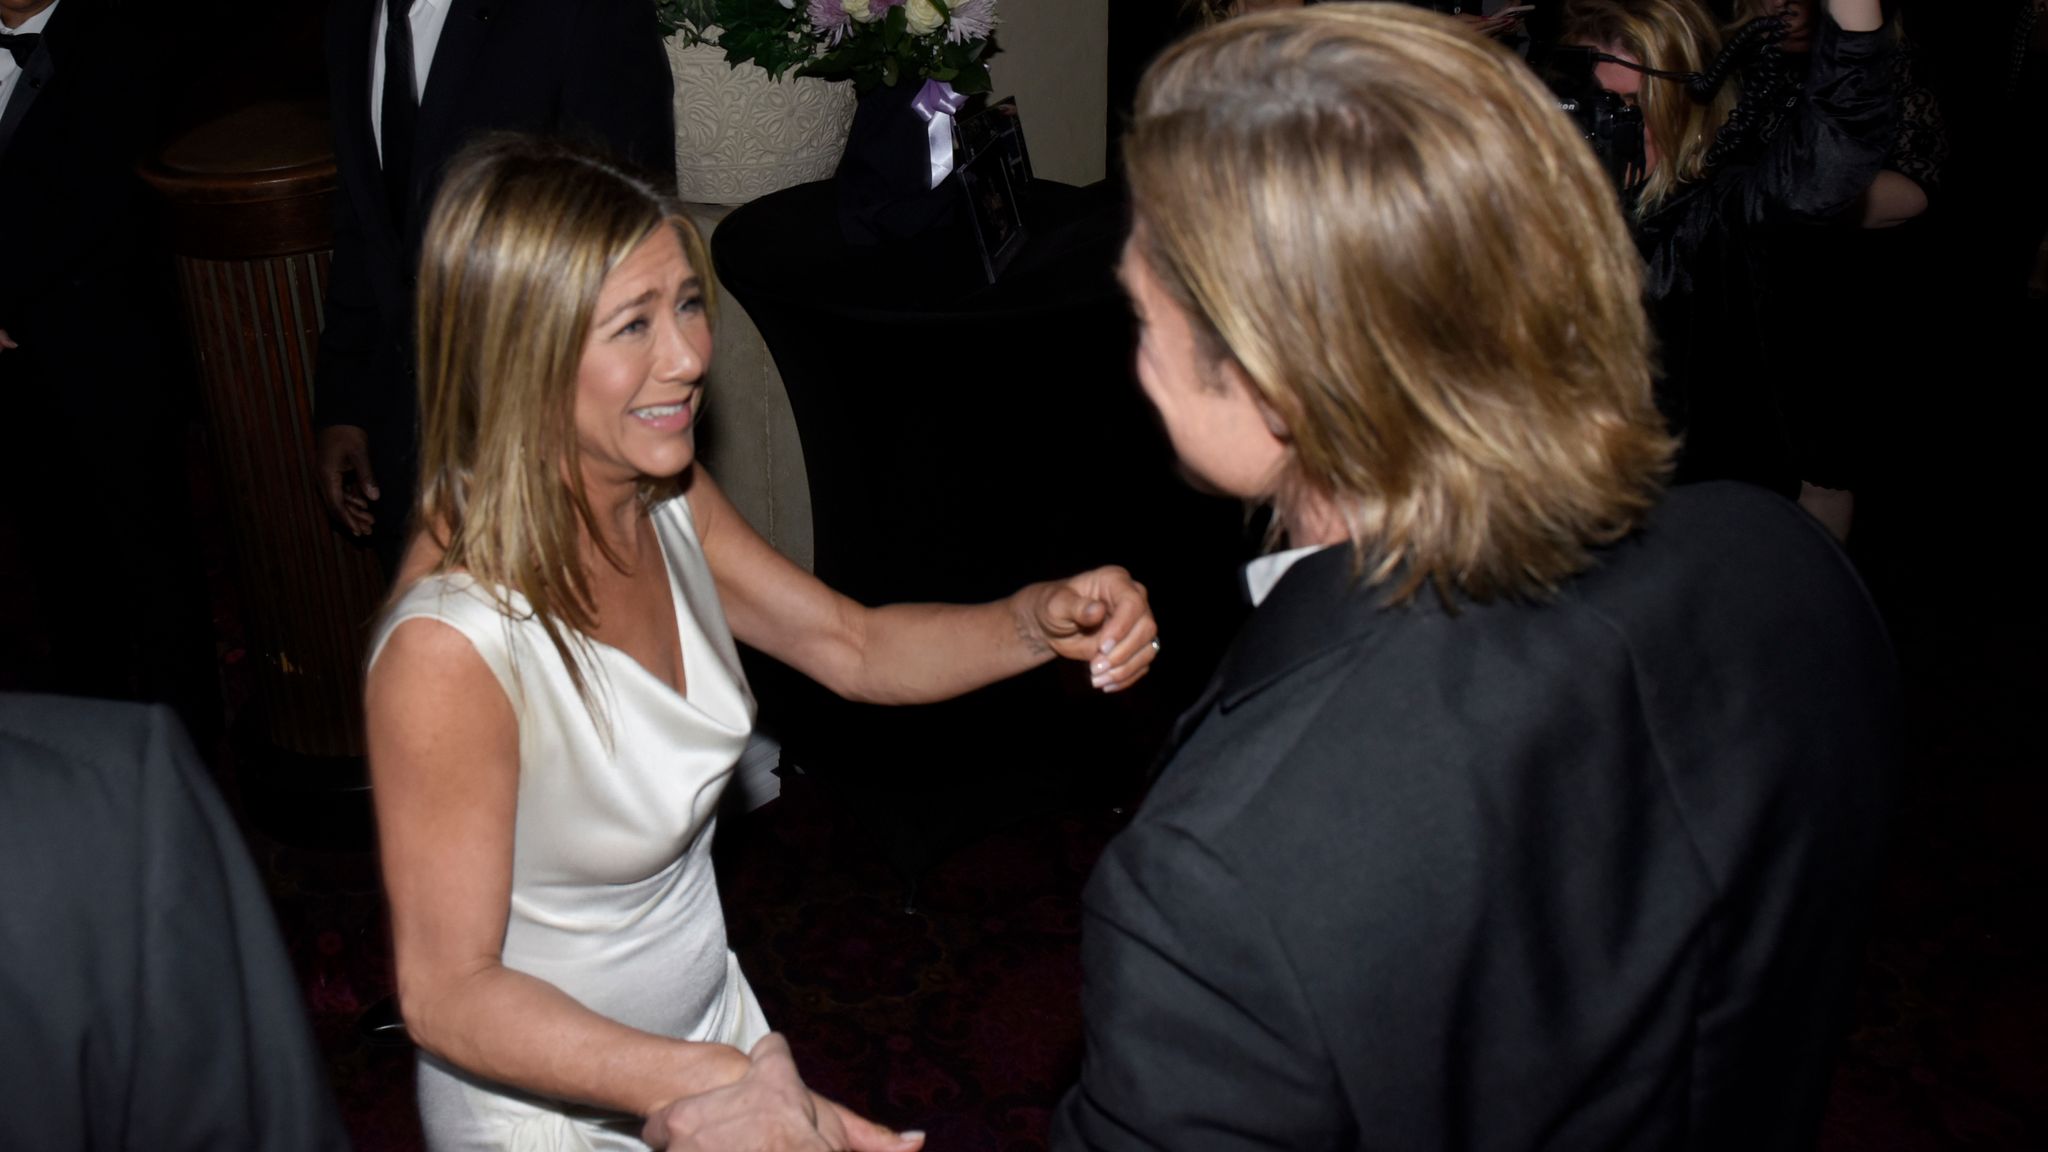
(144, 993)
(1712, 180)
(94, 392)
(411, 82)
(1845, 325)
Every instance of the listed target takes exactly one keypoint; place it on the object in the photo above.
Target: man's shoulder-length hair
(1423, 272)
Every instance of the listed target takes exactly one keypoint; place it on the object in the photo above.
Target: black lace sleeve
(1921, 150)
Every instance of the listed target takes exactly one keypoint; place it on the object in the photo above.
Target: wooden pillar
(250, 203)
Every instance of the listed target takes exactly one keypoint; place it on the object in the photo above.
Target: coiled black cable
(1749, 40)
(1753, 49)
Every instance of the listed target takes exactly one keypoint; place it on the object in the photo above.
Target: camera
(1610, 124)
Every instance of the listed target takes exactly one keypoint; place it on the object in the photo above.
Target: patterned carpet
(1950, 1048)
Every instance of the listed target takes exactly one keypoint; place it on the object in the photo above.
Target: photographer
(1701, 197)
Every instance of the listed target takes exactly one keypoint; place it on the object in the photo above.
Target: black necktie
(23, 45)
(400, 111)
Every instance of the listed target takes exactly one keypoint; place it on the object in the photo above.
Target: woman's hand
(1857, 15)
(1102, 617)
(769, 1110)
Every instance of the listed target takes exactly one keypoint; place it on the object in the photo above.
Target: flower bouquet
(873, 43)
(914, 63)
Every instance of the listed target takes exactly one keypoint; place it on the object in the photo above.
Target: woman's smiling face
(640, 385)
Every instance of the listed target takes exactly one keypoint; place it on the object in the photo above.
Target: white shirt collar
(10, 72)
(34, 24)
(1261, 575)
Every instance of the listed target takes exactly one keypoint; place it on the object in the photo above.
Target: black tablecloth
(962, 440)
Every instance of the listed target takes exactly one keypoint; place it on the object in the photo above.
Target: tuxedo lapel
(462, 35)
(355, 146)
(1315, 608)
(41, 69)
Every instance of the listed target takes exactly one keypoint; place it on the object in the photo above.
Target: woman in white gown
(554, 698)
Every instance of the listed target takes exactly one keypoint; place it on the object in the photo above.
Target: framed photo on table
(993, 173)
(998, 125)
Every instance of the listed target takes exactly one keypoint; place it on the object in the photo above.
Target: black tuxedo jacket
(99, 389)
(1584, 874)
(145, 996)
(592, 69)
(71, 207)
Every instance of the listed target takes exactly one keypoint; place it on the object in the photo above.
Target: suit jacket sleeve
(1198, 1036)
(344, 379)
(618, 89)
(223, 1052)
(143, 987)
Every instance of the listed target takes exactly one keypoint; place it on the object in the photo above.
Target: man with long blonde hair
(1535, 806)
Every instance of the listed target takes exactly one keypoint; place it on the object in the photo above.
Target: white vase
(740, 135)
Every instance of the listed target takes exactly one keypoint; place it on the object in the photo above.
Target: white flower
(972, 20)
(923, 17)
(860, 10)
(787, 3)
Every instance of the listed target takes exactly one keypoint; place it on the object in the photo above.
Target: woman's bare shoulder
(423, 648)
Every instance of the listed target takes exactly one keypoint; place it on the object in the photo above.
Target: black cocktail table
(962, 440)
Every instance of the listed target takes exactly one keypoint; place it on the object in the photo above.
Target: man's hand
(340, 450)
(7, 341)
(769, 1110)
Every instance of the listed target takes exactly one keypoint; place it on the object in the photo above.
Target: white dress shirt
(426, 17)
(1262, 574)
(10, 72)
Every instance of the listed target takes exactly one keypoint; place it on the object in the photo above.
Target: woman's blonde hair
(1672, 36)
(522, 236)
(1423, 272)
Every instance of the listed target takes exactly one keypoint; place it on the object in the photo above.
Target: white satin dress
(613, 898)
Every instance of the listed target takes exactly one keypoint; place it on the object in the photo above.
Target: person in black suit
(144, 992)
(93, 396)
(1534, 806)
(457, 69)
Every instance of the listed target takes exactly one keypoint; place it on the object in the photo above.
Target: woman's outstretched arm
(917, 653)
